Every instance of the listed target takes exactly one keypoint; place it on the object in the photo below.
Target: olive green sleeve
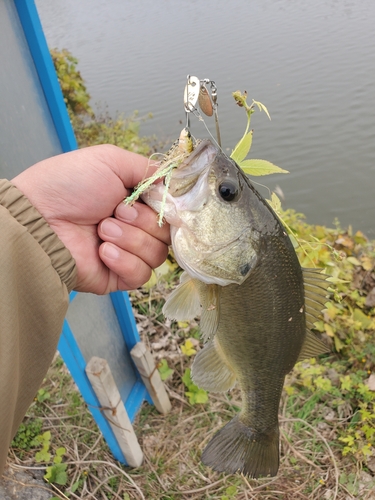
(37, 273)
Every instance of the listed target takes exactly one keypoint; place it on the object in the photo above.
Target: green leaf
(43, 395)
(262, 107)
(56, 474)
(164, 369)
(260, 167)
(75, 486)
(42, 456)
(231, 490)
(61, 477)
(187, 378)
(201, 396)
(242, 148)
(47, 436)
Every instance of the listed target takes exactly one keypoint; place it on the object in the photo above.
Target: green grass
(327, 412)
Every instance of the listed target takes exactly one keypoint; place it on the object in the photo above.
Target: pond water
(311, 63)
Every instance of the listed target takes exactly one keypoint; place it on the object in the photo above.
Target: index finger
(130, 167)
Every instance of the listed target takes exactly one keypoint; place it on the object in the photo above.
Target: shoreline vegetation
(327, 413)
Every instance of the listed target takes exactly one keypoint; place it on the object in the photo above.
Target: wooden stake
(151, 377)
(113, 409)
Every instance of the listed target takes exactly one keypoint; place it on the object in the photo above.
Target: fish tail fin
(238, 448)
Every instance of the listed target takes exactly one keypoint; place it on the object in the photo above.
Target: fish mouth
(187, 173)
(184, 179)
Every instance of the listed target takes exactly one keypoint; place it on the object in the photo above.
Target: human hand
(78, 193)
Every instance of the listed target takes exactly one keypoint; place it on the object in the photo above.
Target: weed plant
(327, 413)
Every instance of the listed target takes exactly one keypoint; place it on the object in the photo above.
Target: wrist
(21, 209)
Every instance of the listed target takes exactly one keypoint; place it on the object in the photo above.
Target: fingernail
(111, 229)
(127, 213)
(110, 251)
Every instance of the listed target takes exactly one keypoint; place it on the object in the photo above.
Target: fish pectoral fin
(313, 346)
(210, 371)
(193, 298)
(184, 302)
(210, 314)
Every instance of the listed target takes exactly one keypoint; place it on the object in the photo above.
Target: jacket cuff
(28, 216)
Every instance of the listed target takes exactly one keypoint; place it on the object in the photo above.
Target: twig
(198, 490)
(337, 475)
(114, 466)
(156, 474)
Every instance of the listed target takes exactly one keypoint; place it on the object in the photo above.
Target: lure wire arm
(196, 92)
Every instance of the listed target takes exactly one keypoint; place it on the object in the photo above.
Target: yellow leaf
(260, 167)
(345, 241)
(243, 147)
(188, 349)
(289, 390)
(151, 282)
(360, 238)
(362, 318)
(275, 202)
(353, 261)
(331, 311)
(331, 279)
(262, 107)
(329, 330)
(183, 324)
(294, 241)
(367, 263)
(338, 344)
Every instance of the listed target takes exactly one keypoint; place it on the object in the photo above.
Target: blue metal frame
(33, 31)
(68, 346)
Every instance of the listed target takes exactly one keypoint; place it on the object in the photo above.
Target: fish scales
(264, 317)
(244, 279)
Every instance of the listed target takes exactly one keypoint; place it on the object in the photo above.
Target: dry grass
(311, 467)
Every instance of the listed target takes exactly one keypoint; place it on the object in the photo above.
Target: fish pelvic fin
(238, 448)
(184, 302)
(210, 371)
(210, 314)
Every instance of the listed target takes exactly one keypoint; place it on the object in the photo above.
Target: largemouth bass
(256, 303)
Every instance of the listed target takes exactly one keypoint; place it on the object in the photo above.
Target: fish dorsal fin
(184, 302)
(312, 347)
(210, 312)
(315, 286)
(210, 371)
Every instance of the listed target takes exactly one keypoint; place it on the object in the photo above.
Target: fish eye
(228, 190)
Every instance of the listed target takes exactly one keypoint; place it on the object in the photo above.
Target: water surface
(311, 63)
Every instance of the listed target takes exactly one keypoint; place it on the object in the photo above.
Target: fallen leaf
(370, 299)
(345, 241)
